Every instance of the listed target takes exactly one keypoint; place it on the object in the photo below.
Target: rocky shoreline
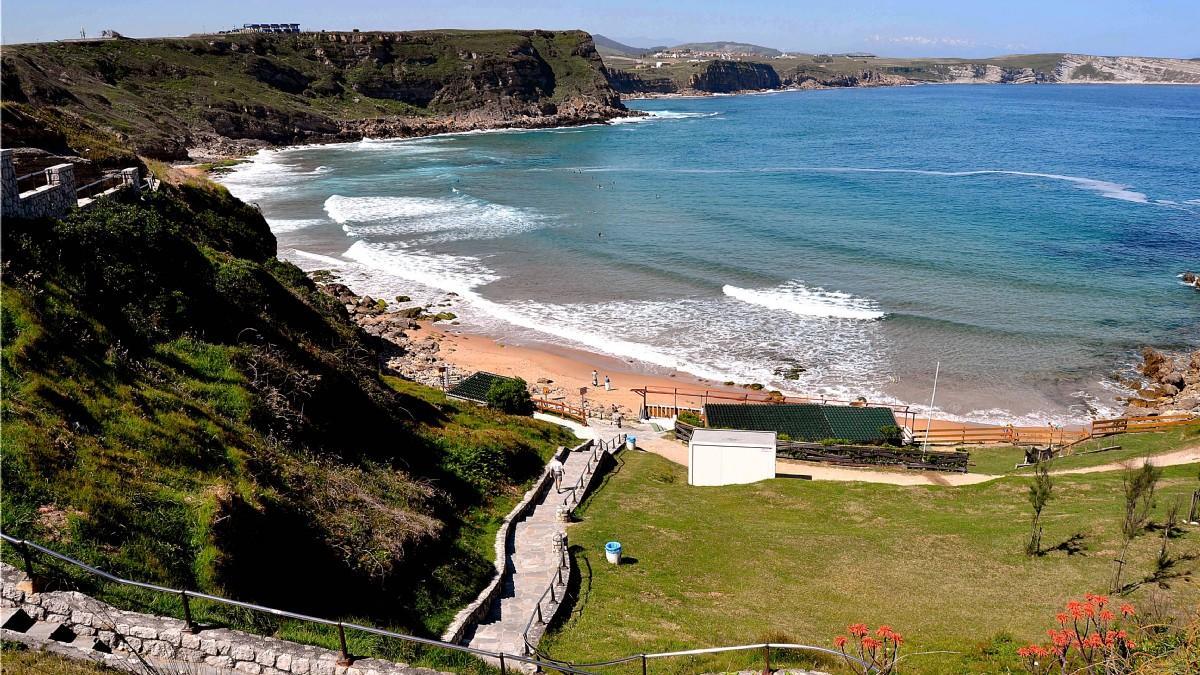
(408, 348)
(1172, 383)
(214, 146)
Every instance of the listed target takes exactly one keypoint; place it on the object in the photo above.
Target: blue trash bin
(612, 551)
(630, 442)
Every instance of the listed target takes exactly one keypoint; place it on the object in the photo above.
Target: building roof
(734, 438)
(803, 421)
(475, 387)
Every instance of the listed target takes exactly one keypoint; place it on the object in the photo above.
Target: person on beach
(607, 384)
(595, 378)
(556, 470)
(618, 419)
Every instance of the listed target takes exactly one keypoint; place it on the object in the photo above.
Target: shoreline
(569, 368)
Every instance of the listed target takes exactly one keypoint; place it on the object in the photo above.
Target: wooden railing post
(643, 664)
(344, 658)
(27, 558)
(767, 659)
(189, 625)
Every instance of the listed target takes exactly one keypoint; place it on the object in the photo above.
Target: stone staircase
(533, 563)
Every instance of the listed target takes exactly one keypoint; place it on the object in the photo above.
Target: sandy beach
(564, 371)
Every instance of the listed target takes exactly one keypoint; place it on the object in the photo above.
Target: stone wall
(136, 639)
(472, 613)
(51, 200)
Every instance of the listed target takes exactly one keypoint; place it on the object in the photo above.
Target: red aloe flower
(839, 642)
(858, 629)
(1127, 610)
(1062, 618)
(870, 643)
(884, 631)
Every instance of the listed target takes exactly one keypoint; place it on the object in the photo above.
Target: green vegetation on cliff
(181, 407)
(159, 97)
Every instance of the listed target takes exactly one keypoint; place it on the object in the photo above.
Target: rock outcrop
(1172, 382)
(723, 77)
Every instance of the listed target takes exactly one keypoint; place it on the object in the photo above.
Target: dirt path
(1185, 456)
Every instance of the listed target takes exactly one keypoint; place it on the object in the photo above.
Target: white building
(730, 457)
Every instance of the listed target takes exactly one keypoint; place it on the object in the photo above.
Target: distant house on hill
(804, 421)
(270, 28)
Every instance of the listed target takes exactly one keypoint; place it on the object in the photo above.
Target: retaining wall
(136, 638)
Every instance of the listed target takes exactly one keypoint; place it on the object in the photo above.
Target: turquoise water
(1028, 238)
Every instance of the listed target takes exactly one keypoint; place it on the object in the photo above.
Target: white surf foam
(655, 115)
(283, 225)
(1104, 188)
(438, 219)
(797, 298)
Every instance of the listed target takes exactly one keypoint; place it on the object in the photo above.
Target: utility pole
(929, 418)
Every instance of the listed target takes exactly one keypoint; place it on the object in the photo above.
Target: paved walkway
(533, 562)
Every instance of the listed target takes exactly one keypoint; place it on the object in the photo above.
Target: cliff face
(729, 76)
(234, 92)
(814, 72)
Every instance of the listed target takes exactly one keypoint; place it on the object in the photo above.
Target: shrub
(510, 395)
(689, 417)
(890, 434)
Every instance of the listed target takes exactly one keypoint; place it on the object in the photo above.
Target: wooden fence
(1047, 435)
(561, 409)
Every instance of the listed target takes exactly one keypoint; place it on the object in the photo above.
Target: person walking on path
(618, 419)
(607, 384)
(556, 470)
(595, 378)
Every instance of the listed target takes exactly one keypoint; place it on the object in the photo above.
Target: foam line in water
(653, 115)
(797, 298)
(455, 217)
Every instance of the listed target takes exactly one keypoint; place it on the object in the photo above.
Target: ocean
(839, 242)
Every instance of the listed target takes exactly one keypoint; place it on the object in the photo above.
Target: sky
(966, 28)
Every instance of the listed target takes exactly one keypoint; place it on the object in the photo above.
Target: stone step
(91, 643)
(51, 630)
(15, 619)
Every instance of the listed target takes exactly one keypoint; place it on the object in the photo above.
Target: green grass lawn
(1000, 461)
(796, 561)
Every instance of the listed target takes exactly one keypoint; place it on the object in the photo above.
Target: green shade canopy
(803, 421)
(475, 387)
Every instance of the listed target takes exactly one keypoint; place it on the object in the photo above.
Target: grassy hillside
(159, 97)
(797, 561)
(181, 407)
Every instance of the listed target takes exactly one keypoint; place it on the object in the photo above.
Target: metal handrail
(598, 448)
(502, 657)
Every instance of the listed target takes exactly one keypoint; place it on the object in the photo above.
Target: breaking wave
(436, 219)
(799, 299)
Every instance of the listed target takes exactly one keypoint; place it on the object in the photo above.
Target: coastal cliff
(730, 76)
(227, 94)
(826, 71)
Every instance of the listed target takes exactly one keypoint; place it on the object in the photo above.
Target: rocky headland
(222, 95)
(825, 71)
